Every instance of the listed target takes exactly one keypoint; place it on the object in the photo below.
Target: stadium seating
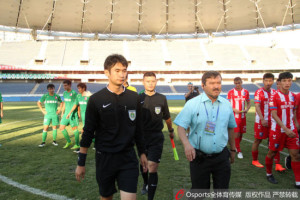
(42, 88)
(16, 88)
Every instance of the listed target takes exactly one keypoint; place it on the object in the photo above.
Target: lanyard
(207, 112)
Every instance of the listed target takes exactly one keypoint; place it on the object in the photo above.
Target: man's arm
(139, 136)
(80, 170)
(63, 108)
(169, 125)
(231, 142)
(189, 150)
(258, 111)
(60, 108)
(40, 107)
(294, 118)
(287, 131)
(72, 110)
(248, 106)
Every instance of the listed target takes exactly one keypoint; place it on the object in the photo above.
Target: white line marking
(19, 121)
(32, 190)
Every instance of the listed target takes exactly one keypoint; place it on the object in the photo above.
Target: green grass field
(51, 168)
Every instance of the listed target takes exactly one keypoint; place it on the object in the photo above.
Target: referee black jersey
(155, 109)
(115, 122)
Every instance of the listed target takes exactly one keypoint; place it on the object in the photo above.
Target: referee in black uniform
(155, 109)
(113, 117)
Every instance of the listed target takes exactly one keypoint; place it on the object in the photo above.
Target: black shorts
(154, 146)
(121, 167)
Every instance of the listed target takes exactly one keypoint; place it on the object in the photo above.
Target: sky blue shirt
(193, 115)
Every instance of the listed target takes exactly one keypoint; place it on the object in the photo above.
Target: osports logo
(179, 194)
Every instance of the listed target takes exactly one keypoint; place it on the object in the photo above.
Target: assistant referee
(113, 117)
(155, 109)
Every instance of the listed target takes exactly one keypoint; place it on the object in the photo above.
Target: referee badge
(132, 114)
(157, 110)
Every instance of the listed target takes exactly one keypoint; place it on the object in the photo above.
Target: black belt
(205, 155)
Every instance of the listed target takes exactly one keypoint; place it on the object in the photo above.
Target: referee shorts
(121, 167)
(154, 146)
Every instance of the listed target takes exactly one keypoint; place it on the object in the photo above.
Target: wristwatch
(171, 130)
(233, 150)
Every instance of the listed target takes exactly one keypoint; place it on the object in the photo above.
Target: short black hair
(149, 74)
(82, 85)
(210, 74)
(237, 79)
(113, 59)
(50, 86)
(285, 75)
(268, 75)
(68, 82)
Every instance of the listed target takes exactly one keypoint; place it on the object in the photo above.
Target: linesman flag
(174, 149)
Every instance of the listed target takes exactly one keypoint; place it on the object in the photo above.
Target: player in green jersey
(80, 103)
(69, 100)
(51, 101)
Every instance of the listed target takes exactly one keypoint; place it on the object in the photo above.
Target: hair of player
(268, 75)
(285, 75)
(210, 74)
(237, 79)
(50, 86)
(147, 74)
(82, 85)
(68, 82)
(113, 59)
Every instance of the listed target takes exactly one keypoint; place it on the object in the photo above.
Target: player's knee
(152, 167)
(271, 154)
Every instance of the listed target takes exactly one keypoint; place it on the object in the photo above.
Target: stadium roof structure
(149, 18)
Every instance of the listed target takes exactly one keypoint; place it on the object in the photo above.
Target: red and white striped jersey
(237, 100)
(262, 97)
(285, 105)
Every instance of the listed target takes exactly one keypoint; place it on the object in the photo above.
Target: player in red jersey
(263, 120)
(238, 97)
(283, 131)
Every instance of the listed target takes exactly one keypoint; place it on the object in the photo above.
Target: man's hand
(144, 162)
(289, 133)
(264, 123)
(57, 112)
(171, 135)
(79, 115)
(190, 152)
(79, 173)
(68, 116)
(1, 114)
(232, 156)
(44, 112)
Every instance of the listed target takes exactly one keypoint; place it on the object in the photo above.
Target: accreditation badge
(157, 110)
(132, 114)
(210, 128)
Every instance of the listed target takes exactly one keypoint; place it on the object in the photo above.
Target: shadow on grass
(20, 137)
(20, 128)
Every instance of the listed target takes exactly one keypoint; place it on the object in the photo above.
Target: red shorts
(278, 141)
(261, 132)
(241, 125)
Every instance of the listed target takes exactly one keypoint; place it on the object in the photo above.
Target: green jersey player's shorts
(51, 118)
(73, 120)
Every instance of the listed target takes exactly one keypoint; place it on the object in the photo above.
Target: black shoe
(42, 145)
(271, 179)
(76, 151)
(288, 162)
(297, 186)
(144, 189)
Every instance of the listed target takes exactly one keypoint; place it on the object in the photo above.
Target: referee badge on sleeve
(132, 114)
(157, 110)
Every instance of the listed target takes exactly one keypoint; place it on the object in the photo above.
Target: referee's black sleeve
(166, 112)
(91, 118)
(139, 134)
